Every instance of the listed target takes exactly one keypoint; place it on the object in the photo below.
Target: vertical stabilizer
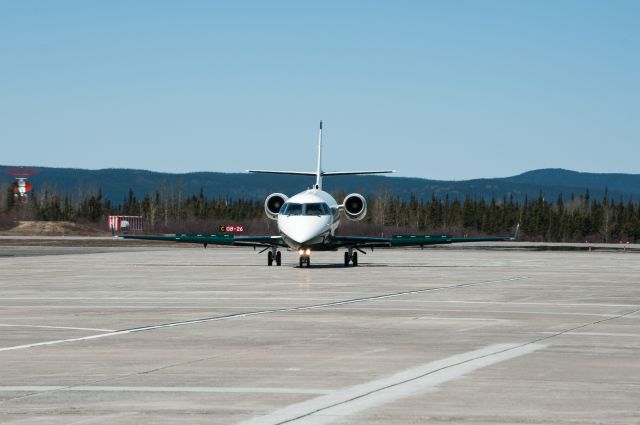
(318, 172)
(319, 169)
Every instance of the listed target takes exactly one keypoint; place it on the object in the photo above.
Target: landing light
(304, 251)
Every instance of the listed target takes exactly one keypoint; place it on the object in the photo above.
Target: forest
(578, 218)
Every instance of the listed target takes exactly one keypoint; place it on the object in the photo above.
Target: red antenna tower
(21, 187)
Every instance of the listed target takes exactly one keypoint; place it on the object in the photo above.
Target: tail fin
(319, 173)
(319, 169)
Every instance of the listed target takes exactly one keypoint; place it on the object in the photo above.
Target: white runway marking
(60, 341)
(352, 400)
(469, 319)
(263, 312)
(148, 306)
(7, 325)
(525, 312)
(155, 301)
(95, 388)
(596, 334)
(531, 303)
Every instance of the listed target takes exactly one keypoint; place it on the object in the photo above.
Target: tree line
(575, 219)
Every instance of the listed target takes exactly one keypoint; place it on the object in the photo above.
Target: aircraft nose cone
(303, 235)
(302, 230)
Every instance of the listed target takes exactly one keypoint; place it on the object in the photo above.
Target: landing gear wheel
(305, 260)
(346, 259)
(354, 259)
(270, 258)
(278, 258)
(301, 262)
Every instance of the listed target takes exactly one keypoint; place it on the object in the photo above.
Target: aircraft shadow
(342, 266)
(320, 266)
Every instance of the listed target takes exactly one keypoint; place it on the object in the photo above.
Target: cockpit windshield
(291, 209)
(317, 208)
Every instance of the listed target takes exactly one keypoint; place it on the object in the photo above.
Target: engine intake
(273, 203)
(354, 206)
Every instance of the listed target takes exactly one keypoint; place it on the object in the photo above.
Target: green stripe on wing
(419, 240)
(361, 241)
(408, 240)
(212, 239)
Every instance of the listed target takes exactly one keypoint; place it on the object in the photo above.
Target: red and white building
(125, 223)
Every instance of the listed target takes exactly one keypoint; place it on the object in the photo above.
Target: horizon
(244, 172)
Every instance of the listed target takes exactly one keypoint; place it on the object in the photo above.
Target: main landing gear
(274, 255)
(350, 257)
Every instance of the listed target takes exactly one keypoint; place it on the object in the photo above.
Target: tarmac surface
(442, 336)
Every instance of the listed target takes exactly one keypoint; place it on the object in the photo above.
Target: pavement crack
(596, 322)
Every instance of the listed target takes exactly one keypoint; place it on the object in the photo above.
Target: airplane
(307, 222)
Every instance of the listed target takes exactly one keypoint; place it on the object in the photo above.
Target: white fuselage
(303, 221)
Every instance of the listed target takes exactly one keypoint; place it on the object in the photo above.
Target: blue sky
(434, 89)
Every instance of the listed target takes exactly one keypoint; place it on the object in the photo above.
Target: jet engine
(273, 203)
(355, 206)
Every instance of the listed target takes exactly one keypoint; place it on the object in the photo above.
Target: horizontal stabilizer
(323, 174)
(351, 173)
(291, 173)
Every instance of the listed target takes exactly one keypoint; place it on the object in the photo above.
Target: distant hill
(115, 184)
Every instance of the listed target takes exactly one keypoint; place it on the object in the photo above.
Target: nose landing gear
(305, 256)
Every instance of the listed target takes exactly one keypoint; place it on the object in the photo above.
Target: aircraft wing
(412, 240)
(417, 240)
(214, 239)
(360, 242)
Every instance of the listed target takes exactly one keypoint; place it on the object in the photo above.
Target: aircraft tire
(346, 259)
(354, 260)
(278, 258)
(270, 258)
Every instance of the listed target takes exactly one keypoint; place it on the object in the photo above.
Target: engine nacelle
(354, 206)
(273, 203)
